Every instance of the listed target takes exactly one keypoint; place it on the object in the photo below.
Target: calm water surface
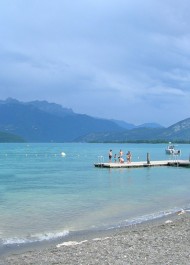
(45, 195)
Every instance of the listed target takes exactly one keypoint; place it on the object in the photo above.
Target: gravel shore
(166, 241)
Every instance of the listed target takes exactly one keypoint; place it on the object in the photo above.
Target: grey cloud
(86, 54)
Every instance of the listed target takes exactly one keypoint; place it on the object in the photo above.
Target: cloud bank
(126, 60)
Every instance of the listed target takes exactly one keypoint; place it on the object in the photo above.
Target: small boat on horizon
(171, 150)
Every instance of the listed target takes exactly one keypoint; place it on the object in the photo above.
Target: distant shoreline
(139, 142)
(98, 142)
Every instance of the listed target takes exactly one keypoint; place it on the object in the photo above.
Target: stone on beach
(150, 243)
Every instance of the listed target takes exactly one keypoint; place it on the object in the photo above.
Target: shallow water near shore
(50, 190)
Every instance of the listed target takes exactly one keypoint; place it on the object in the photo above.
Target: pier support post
(148, 158)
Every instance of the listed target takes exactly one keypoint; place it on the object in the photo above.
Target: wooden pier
(176, 163)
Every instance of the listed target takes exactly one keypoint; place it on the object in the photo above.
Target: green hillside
(179, 132)
(10, 138)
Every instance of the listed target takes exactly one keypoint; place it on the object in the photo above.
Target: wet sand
(165, 241)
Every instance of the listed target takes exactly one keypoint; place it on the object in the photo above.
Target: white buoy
(63, 154)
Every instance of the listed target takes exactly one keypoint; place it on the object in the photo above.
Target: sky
(116, 59)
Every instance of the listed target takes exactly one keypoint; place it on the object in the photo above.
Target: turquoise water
(46, 195)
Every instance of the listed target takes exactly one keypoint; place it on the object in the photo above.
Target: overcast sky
(117, 59)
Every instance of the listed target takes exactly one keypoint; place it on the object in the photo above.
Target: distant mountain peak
(181, 125)
(41, 121)
(150, 125)
(130, 126)
(51, 108)
(124, 124)
(9, 100)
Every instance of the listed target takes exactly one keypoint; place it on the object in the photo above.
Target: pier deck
(179, 163)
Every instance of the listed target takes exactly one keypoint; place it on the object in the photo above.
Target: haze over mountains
(40, 121)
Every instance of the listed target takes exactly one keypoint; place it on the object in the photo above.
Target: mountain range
(41, 121)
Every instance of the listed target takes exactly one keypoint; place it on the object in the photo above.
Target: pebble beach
(162, 241)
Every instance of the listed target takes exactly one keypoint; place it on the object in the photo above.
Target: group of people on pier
(119, 157)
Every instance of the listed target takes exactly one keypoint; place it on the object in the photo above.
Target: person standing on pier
(120, 157)
(120, 153)
(110, 155)
(129, 157)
